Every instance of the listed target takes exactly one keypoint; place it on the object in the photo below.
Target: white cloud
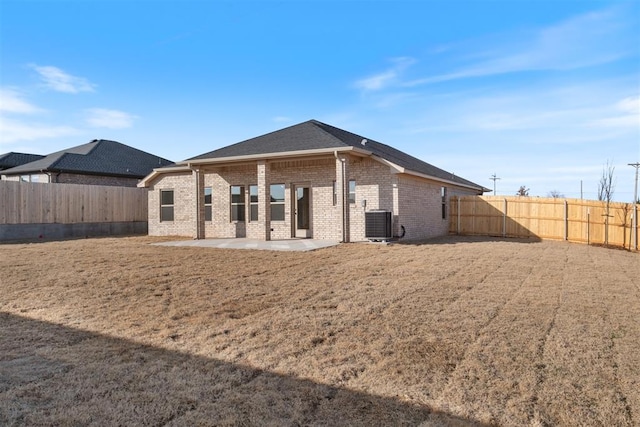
(11, 101)
(386, 78)
(56, 79)
(623, 114)
(111, 119)
(582, 41)
(12, 131)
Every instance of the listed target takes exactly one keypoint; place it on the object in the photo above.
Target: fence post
(566, 220)
(588, 226)
(504, 219)
(458, 226)
(635, 228)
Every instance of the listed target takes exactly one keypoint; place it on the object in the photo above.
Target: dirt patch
(454, 331)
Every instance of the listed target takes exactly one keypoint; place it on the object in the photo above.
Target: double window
(166, 205)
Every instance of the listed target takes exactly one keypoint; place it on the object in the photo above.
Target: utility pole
(494, 178)
(635, 208)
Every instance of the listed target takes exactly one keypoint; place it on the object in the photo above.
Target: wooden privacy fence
(38, 203)
(584, 221)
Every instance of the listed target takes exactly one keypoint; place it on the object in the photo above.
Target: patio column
(342, 189)
(264, 199)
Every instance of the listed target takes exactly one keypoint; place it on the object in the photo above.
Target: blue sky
(541, 93)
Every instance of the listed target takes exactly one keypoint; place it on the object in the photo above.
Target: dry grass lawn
(457, 331)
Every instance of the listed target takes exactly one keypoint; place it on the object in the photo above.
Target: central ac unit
(377, 225)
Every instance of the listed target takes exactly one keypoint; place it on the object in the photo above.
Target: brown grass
(452, 332)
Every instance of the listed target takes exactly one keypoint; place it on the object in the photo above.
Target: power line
(494, 178)
(635, 208)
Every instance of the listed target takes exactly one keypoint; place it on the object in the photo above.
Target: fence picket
(573, 220)
(42, 203)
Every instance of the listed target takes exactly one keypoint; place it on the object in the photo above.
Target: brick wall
(319, 176)
(416, 202)
(420, 206)
(183, 210)
(220, 180)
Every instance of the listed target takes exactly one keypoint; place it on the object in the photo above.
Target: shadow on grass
(55, 375)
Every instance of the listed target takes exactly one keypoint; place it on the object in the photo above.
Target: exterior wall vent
(378, 225)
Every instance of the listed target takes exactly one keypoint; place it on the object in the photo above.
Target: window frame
(335, 192)
(164, 207)
(253, 204)
(240, 213)
(443, 195)
(208, 206)
(352, 192)
(279, 203)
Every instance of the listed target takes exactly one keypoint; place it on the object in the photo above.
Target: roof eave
(278, 155)
(146, 181)
(400, 169)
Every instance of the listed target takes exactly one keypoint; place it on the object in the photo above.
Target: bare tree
(555, 194)
(522, 191)
(607, 184)
(606, 188)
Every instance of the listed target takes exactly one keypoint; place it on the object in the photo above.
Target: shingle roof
(98, 157)
(313, 135)
(11, 160)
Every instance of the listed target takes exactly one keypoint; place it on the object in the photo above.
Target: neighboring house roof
(11, 160)
(317, 136)
(98, 157)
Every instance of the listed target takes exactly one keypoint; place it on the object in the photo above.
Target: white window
(277, 202)
(352, 191)
(166, 205)
(253, 203)
(208, 211)
(237, 203)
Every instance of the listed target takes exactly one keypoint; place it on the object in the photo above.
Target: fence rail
(584, 221)
(39, 203)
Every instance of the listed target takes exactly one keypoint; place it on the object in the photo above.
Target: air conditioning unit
(377, 225)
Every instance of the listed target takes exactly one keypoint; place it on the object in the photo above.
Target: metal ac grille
(378, 225)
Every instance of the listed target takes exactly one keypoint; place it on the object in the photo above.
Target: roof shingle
(313, 135)
(12, 159)
(98, 157)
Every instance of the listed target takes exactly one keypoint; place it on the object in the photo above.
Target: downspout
(342, 193)
(49, 175)
(198, 228)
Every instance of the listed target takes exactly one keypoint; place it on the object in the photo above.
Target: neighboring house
(99, 162)
(307, 180)
(11, 160)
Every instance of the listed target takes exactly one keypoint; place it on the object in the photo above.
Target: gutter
(199, 230)
(159, 171)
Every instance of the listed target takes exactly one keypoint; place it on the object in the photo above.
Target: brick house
(99, 162)
(307, 180)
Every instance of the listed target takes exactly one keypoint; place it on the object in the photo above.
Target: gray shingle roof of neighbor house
(315, 135)
(98, 157)
(12, 159)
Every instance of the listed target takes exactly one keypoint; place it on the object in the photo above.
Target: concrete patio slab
(241, 243)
